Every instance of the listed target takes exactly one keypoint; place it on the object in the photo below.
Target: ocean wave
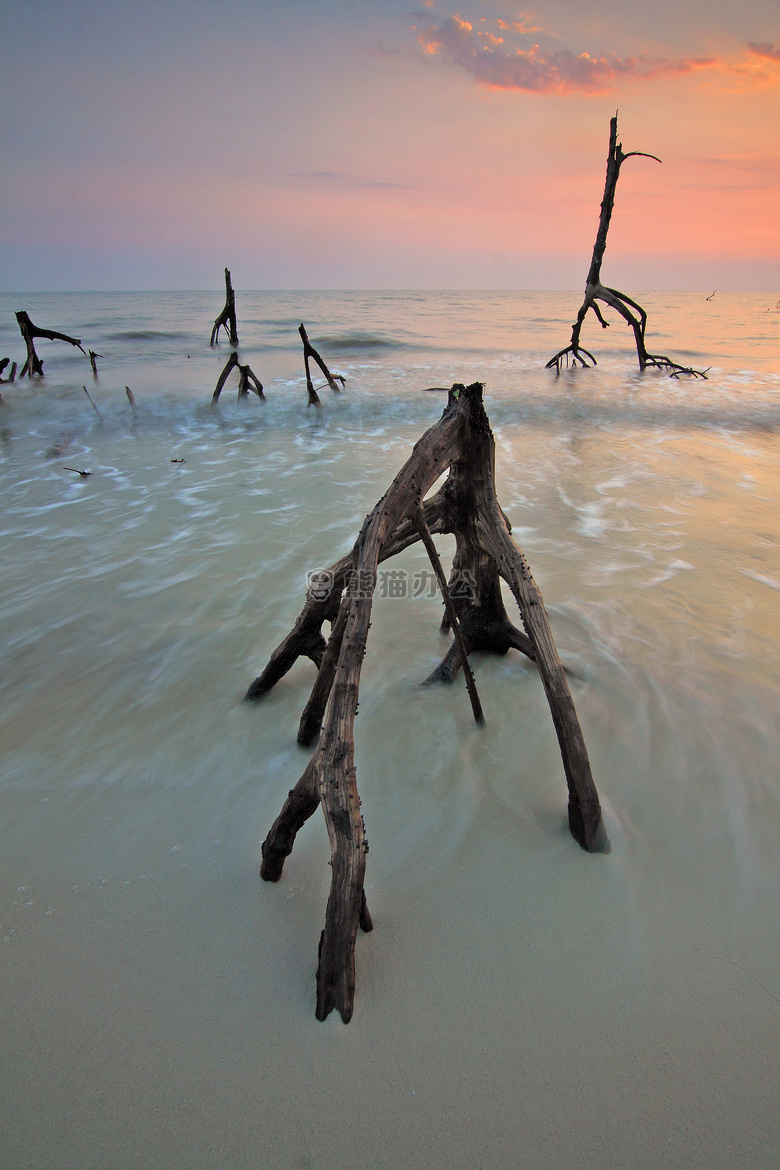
(360, 341)
(148, 335)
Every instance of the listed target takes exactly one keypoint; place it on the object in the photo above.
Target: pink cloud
(521, 26)
(538, 70)
(765, 49)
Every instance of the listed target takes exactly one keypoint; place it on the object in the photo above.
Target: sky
(387, 144)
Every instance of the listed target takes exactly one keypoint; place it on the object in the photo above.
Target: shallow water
(519, 1002)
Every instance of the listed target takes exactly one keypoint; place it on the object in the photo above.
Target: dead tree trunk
(33, 364)
(227, 318)
(343, 595)
(595, 291)
(246, 380)
(310, 352)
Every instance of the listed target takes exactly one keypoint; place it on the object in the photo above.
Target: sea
(519, 1003)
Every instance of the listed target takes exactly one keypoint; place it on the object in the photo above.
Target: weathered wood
(92, 404)
(310, 352)
(29, 331)
(595, 291)
(311, 719)
(246, 380)
(302, 801)
(322, 604)
(229, 365)
(452, 617)
(468, 507)
(227, 318)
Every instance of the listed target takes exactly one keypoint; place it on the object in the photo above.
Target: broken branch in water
(230, 364)
(97, 412)
(467, 507)
(29, 331)
(83, 474)
(595, 291)
(12, 375)
(246, 380)
(310, 352)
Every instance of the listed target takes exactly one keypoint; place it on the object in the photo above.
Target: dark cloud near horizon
(492, 62)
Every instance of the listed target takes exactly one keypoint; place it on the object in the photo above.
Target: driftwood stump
(331, 379)
(466, 506)
(595, 291)
(33, 364)
(227, 318)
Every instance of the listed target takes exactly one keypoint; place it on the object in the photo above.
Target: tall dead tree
(310, 352)
(595, 291)
(227, 318)
(466, 506)
(33, 364)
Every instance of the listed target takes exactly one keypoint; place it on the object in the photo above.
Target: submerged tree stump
(33, 364)
(466, 506)
(595, 291)
(12, 375)
(227, 318)
(331, 379)
(246, 380)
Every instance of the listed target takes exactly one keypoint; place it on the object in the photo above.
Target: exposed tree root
(632, 313)
(466, 506)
